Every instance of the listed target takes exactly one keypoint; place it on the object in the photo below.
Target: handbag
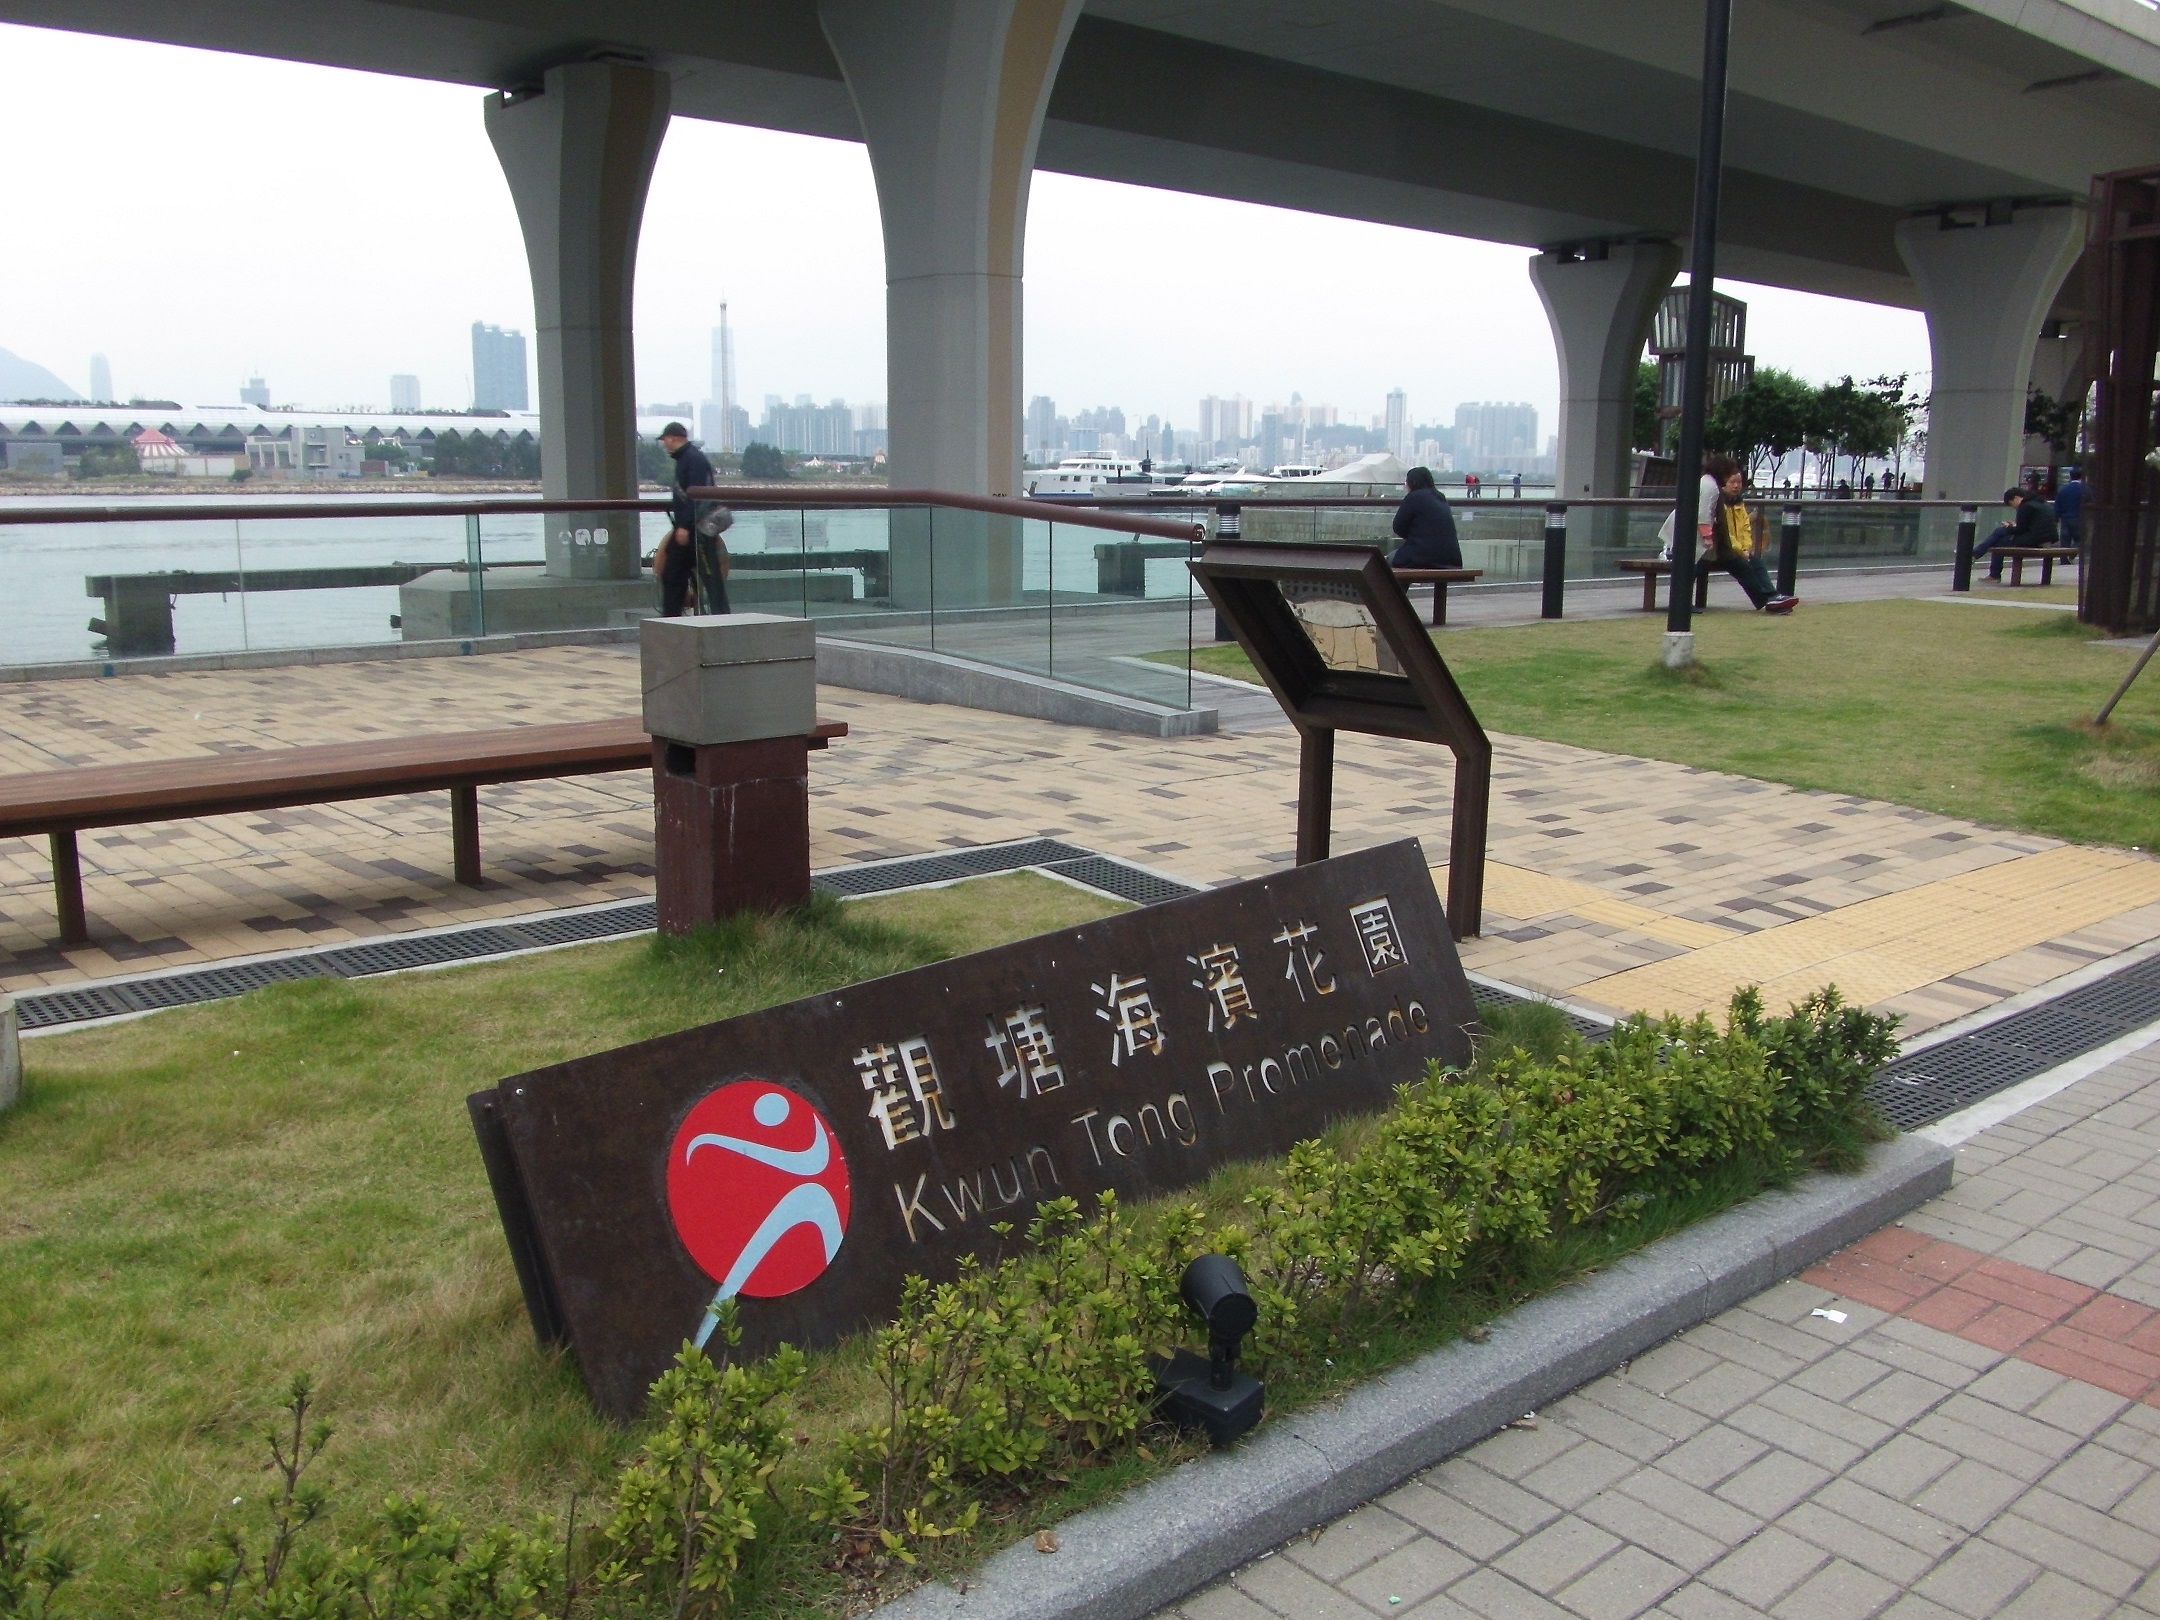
(713, 520)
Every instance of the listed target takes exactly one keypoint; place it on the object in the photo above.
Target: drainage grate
(425, 950)
(49, 1007)
(1116, 877)
(947, 866)
(637, 917)
(214, 984)
(1926, 1086)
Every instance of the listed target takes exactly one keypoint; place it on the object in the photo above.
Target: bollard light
(1212, 1394)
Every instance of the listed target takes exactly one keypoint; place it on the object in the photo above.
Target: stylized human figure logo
(759, 1192)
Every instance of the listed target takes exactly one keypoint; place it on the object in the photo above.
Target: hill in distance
(26, 379)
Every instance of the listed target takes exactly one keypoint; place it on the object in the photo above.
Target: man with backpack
(689, 551)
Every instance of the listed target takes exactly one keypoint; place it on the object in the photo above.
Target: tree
(1646, 432)
(2054, 420)
(763, 463)
(1763, 423)
(654, 464)
(1902, 411)
(107, 461)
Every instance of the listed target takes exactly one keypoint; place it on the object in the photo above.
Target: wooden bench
(1652, 570)
(2046, 556)
(1439, 579)
(62, 803)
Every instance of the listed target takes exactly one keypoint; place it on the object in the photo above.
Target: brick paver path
(1775, 1461)
(1622, 882)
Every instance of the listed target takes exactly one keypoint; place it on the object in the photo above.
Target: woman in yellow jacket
(1728, 538)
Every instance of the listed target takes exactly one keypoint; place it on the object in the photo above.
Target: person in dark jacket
(2070, 509)
(679, 558)
(2032, 523)
(1425, 526)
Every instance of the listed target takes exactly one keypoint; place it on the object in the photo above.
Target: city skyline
(1372, 308)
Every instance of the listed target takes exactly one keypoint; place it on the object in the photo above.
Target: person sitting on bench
(2032, 523)
(1728, 535)
(1425, 526)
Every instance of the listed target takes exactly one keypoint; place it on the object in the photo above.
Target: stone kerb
(1173, 1535)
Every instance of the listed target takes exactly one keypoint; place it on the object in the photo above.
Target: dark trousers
(1749, 571)
(711, 581)
(674, 592)
(2001, 535)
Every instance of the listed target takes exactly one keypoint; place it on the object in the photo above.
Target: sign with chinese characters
(803, 1160)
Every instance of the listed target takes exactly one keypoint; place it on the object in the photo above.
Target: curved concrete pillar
(951, 96)
(1599, 298)
(1987, 277)
(579, 157)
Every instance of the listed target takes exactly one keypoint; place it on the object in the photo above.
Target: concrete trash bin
(730, 701)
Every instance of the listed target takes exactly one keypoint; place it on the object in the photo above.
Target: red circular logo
(758, 1189)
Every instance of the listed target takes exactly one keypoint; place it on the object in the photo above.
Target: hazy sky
(199, 218)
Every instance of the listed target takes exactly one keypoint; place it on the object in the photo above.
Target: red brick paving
(2097, 1338)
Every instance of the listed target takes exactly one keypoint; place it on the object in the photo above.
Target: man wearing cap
(677, 559)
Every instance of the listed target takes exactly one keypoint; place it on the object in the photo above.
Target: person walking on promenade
(1425, 526)
(681, 555)
(2032, 523)
(2070, 509)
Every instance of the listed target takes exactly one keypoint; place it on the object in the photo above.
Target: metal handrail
(1527, 502)
(222, 511)
(761, 495)
(750, 495)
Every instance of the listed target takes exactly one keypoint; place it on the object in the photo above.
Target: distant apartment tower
(1398, 425)
(498, 369)
(1225, 424)
(1044, 443)
(256, 393)
(100, 377)
(404, 392)
(1495, 437)
(811, 430)
(720, 424)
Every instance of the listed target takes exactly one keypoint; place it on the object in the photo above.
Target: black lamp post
(1695, 372)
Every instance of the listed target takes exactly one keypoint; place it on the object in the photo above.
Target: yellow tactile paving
(1883, 947)
(1515, 891)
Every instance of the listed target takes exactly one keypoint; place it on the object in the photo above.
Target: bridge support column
(1987, 276)
(951, 96)
(1600, 297)
(579, 156)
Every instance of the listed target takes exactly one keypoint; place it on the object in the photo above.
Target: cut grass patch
(197, 1205)
(1970, 712)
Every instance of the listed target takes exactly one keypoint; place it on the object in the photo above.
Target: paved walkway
(1956, 1418)
(1618, 881)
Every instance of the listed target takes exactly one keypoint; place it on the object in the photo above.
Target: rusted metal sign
(805, 1159)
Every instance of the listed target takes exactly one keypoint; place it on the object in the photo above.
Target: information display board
(805, 1159)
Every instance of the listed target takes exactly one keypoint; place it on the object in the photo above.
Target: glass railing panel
(864, 574)
(340, 581)
(991, 577)
(1123, 613)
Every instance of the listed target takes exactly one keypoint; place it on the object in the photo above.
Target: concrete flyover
(1912, 152)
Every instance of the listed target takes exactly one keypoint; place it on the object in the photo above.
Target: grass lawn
(197, 1205)
(1973, 711)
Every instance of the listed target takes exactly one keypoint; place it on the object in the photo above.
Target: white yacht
(1092, 473)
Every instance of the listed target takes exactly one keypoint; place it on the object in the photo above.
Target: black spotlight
(1212, 1394)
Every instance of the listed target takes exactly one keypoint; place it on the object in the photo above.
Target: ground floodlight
(1212, 1394)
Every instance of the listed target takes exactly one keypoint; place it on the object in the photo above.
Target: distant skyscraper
(1398, 425)
(404, 392)
(256, 393)
(100, 377)
(1043, 442)
(498, 366)
(1492, 437)
(1225, 424)
(718, 418)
